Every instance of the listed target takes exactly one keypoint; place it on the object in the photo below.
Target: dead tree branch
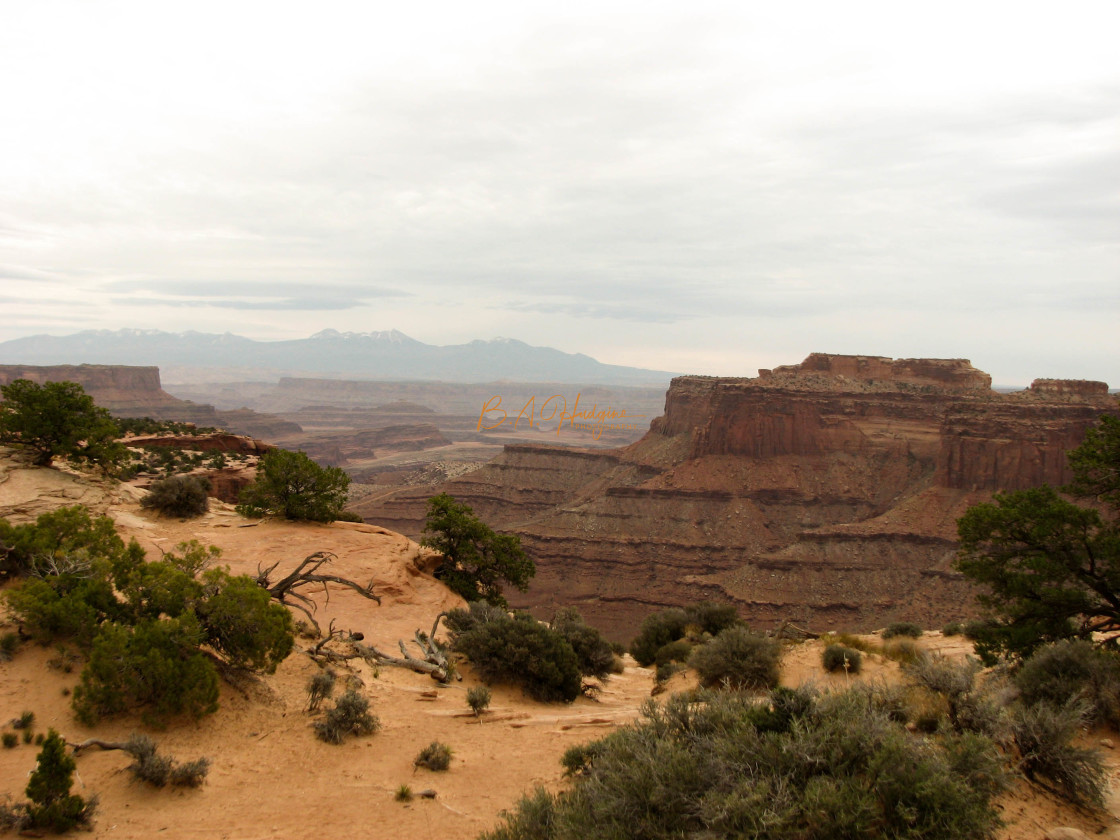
(307, 574)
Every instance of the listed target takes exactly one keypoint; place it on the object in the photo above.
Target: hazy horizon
(711, 190)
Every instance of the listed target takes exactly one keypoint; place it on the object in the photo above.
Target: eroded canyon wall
(825, 493)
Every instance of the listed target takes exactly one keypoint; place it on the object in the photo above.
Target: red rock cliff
(825, 492)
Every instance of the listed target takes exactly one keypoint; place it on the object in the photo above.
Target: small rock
(1065, 833)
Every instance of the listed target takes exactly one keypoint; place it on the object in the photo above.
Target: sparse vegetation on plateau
(143, 624)
(722, 765)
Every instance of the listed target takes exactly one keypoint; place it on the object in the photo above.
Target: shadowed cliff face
(825, 493)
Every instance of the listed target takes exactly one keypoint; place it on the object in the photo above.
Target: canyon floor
(270, 775)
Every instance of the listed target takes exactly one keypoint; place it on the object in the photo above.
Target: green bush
(841, 658)
(904, 650)
(10, 740)
(59, 538)
(710, 617)
(157, 770)
(52, 805)
(596, 658)
(703, 767)
(1044, 735)
(902, 628)
(184, 496)
(953, 628)
(524, 652)
(144, 623)
(292, 486)
(476, 559)
(478, 698)
(319, 688)
(656, 631)
(436, 756)
(242, 623)
(737, 658)
(155, 665)
(350, 716)
(58, 419)
(1073, 670)
(678, 651)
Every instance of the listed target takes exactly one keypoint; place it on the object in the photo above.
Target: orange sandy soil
(271, 777)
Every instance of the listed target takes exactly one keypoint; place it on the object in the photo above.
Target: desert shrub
(477, 613)
(10, 740)
(594, 653)
(9, 644)
(157, 770)
(189, 773)
(242, 623)
(63, 606)
(478, 698)
(58, 419)
(435, 756)
(902, 628)
(737, 658)
(903, 650)
(656, 631)
(841, 658)
(55, 536)
(678, 651)
(145, 624)
(25, 721)
(292, 486)
(1043, 735)
(524, 652)
(704, 768)
(852, 641)
(1073, 670)
(403, 794)
(953, 628)
(185, 496)
(710, 617)
(349, 516)
(52, 805)
(155, 665)
(666, 670)
(319, 688)
(350, 716)
(477, 561)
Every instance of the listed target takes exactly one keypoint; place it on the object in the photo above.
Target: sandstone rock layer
(825, 493)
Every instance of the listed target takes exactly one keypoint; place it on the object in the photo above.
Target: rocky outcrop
(217, 442)
(825, 492)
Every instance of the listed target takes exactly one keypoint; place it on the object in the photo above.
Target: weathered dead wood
(104, 745)
(789, 630)
(306, 574)
(432, 660)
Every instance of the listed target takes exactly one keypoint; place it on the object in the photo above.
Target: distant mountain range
(388, 354)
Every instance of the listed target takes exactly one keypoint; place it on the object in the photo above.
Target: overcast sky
(701, 187)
